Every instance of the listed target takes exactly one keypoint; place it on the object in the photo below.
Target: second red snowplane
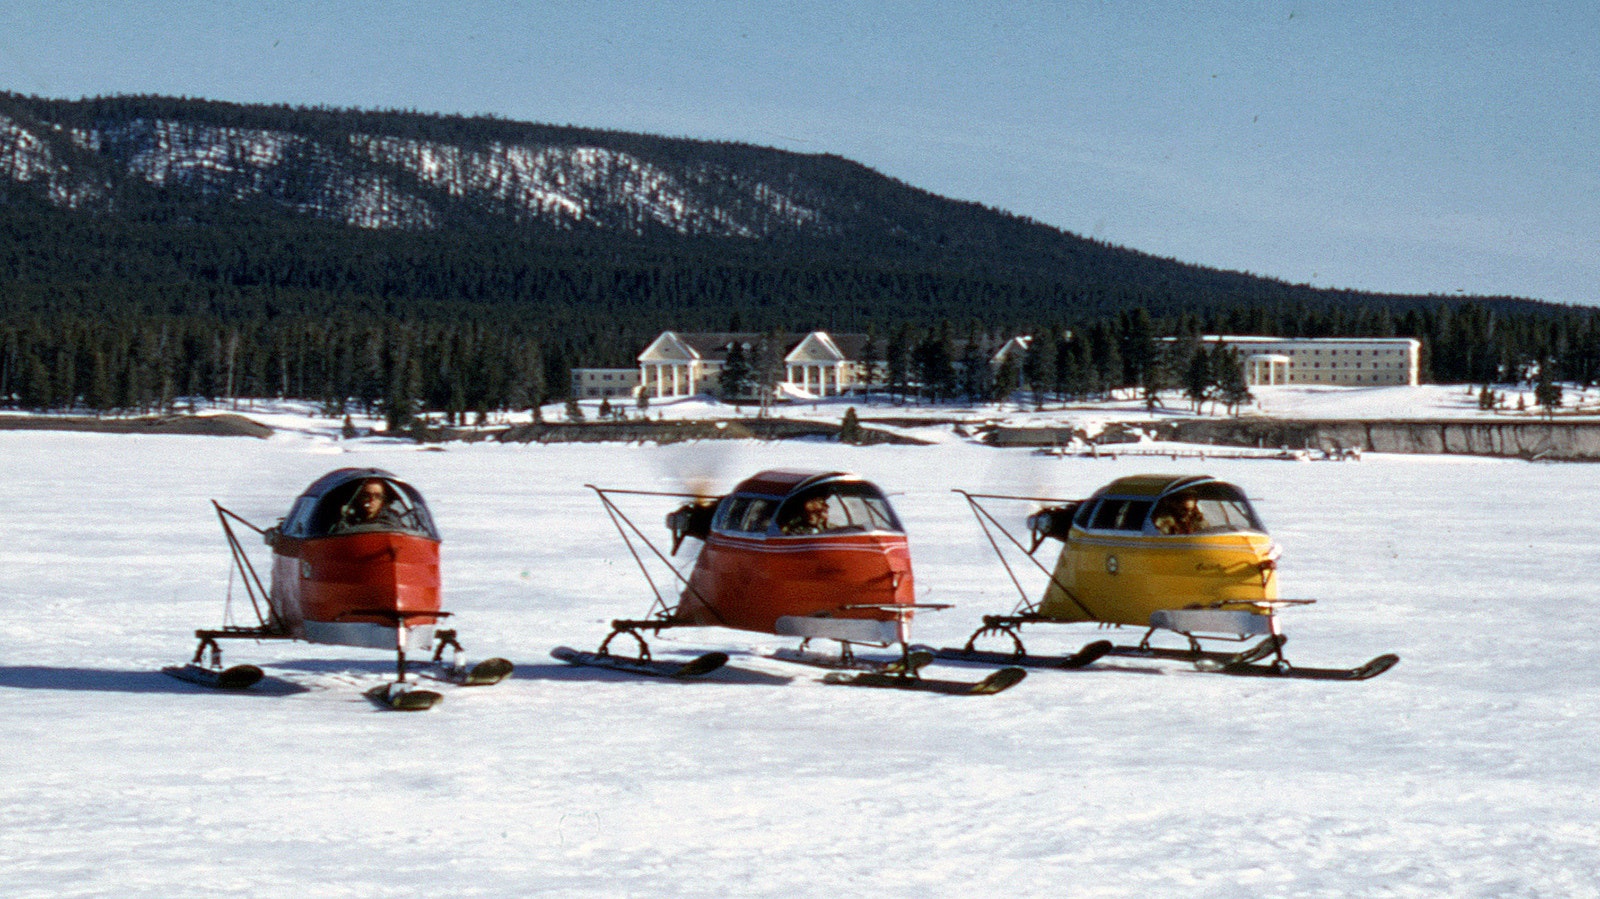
(813, 555)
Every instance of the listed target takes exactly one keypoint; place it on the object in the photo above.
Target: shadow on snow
(107, 680)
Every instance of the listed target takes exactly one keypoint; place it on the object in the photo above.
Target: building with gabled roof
(819, 364)
(815, 364)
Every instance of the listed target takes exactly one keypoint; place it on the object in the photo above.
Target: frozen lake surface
(1468, 770)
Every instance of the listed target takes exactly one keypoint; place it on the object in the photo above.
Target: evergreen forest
(162, 291)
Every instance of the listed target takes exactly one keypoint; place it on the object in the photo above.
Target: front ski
(1370, 669)
(695, 667)
(401, 697)
(486, 673)
(1083, 657)
(915, 660)
(238, 677)
(994, 683)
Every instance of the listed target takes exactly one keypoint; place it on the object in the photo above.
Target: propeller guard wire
(1025, 606)
(618, 519)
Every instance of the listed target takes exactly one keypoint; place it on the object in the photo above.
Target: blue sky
(1413, 147)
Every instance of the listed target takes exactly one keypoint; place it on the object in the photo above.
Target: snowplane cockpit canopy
(333, 505)
(1168, 505)
(800, 503)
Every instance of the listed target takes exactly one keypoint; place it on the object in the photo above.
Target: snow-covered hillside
(1468, 770)
(382, 181)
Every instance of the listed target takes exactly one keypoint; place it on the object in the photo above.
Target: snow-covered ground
(933, 421)
(1468, 770)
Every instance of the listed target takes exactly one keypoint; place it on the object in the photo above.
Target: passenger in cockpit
(371, 507)
(1179, 514)
(813, 518)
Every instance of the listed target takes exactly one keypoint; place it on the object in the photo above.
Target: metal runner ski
(1085, 656)
(994, 683)
(695, 667)
(238, 677)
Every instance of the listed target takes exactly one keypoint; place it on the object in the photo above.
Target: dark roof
(714, 345)
(1151, 484)
(342, 476)
(782, 481)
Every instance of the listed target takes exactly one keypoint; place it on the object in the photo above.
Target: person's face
(816, 511)
(370, 500)
(1190, 504)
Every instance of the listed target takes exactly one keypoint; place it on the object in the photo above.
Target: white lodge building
(599, 383)
(1344, 361)
(817, 364)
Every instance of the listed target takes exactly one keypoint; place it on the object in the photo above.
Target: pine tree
(850, 427)
(734, 381)
(1547, 393)
(1228, 375)
(1197, 377)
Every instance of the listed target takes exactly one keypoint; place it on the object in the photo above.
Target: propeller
(1029, 475)
(698, 469)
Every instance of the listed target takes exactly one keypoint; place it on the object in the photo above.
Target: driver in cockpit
(1179, 514)
(371, 507)
(813, 518)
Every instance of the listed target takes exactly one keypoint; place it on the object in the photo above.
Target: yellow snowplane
(1179, 554)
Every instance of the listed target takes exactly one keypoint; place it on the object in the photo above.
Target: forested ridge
(153, 248)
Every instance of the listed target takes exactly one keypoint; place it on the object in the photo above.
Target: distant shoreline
(1574, 440)
(221, 425)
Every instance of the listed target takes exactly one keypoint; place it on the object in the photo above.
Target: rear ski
(1083, 657)
(994, 683)
(703, 664)
(1365, 671)
(486, 673)
(238, 677)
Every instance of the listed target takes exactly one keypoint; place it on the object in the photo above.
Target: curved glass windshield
(368, 505)
(836, 507)
(1204, 509)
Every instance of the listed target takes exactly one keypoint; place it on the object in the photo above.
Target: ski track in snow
(1468, 770)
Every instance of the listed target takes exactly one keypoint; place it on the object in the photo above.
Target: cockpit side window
(1085, 513)
(746, 514)
(867, 512)
(298, 522)
(1107, 515)
(732, 513)
(1133, 515)
(1120, 515)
